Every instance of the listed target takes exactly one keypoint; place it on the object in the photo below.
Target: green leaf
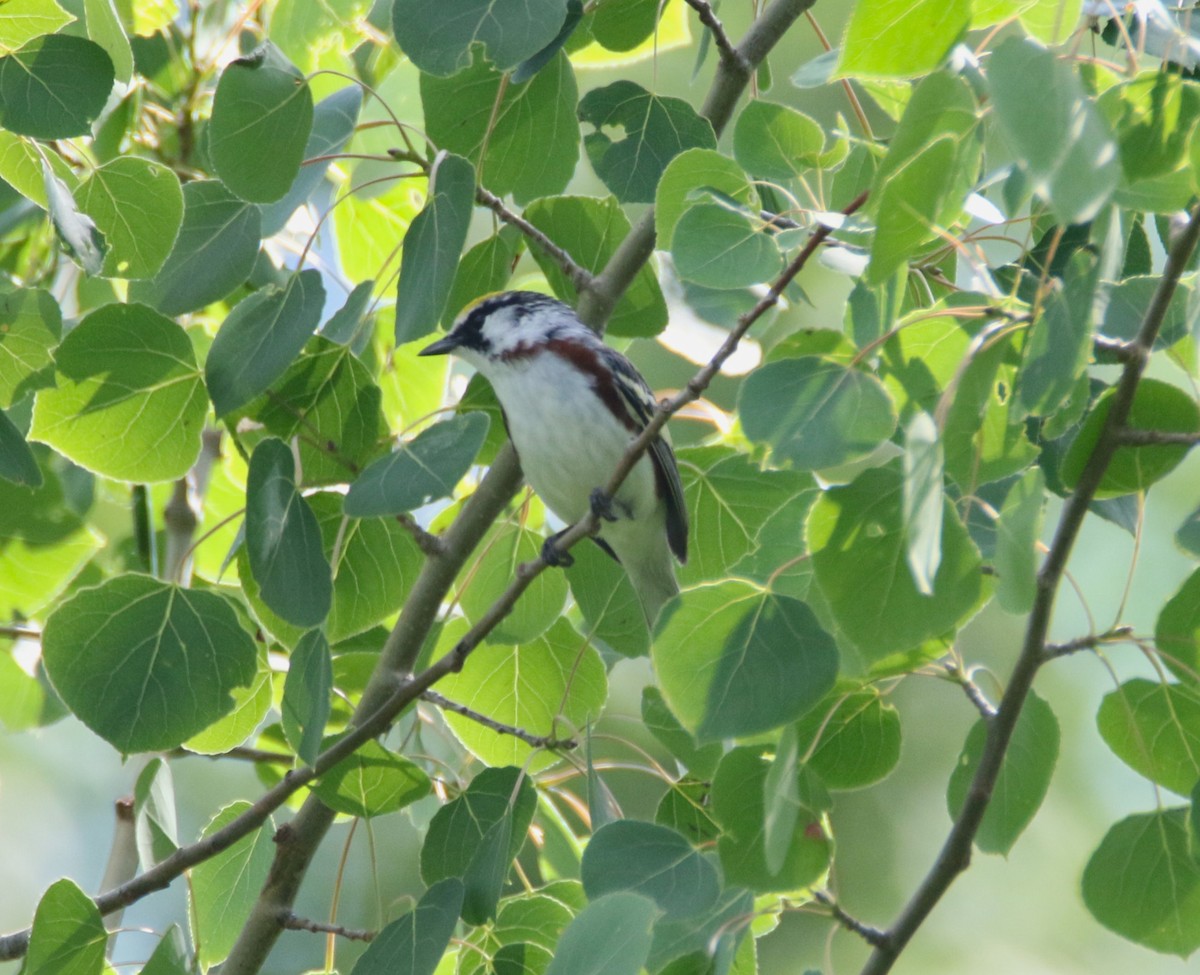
(456, 844)
(522, 137)
(851, 739)
(610, 606)
(1156, 406)
(1060, 340)
(333, 123)
(262, 115)
(30, 328)
(763, 660)
(24, 20)
(145, 664)
(283, 540)
(68, 935)
(1143, 883)
(858, 543)
(654, 129)
(155, 822)
(1023, 780)
(1127, 304)
(643, 858)
(485, 268)
(591, 230)
(224, 889)
(1051, 21)
(104, 27)
(250, 705)
(169, 957)
(705, 944)
(901, 38)
(611, 936)
(1017, 532)
(213, 253)
(781, 800)
(426, 468)
(720, 248)
(415, 943)
(54, 87)
(551, 685)
(260, 338)
(346, 325)
(17, 463)
(539, 606)
(737, 802)
(129, 403)
(306, 690)
(1177, 632)
(138, 206)
(923, 500)
(684, 808)
(432, 247)
(814, 412)
(1154, 729)
(691, 171)
(776, 142)
(372, 782)
(1066, 145)
(700, 760)
(438, 38)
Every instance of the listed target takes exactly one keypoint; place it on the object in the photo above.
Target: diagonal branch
(955, 854)
(708, 17)
(579, 276)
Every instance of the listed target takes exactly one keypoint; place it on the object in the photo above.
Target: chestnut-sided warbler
(572, 405)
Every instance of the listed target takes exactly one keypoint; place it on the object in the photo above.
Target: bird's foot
(552, 555)
(602, 505)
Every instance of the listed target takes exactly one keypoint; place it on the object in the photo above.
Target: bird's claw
(552, 555)
(602, 505)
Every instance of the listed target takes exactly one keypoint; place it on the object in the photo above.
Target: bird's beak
(441, 346)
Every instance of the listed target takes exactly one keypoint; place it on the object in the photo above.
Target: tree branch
(580, 276)
(872, 936)
(536, 741)
(293, 923)
(1130, 437)
(708, 17)
(1089, 642)
(955, 854)
(975, 695)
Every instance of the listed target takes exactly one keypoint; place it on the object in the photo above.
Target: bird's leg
(602, 505)
(552, 555)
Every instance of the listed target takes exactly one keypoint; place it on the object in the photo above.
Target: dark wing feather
(640, 399)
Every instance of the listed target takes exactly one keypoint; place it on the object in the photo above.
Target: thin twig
(242, 754)
(708, 17)
(536, 741)
(15, 631)
(1117, 634)
(872, 936)
(1130, 437)
(974, 693)
(579, 276)
(427, 542)
(293, 923)
(1114, 348)
(955, 854)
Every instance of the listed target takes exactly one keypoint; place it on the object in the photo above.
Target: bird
(572, 405)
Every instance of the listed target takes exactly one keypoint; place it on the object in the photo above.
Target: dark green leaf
(722, 248)
(169, 957)
(1023, 780)
(262, 115)
(438, 38)
(283, 540)
(814, 412)
(684, 808)
(709, 942)
(1155, 729)
(485, 268)
(1065, 145)
(432, 247)
(1177, 632)
(694, 170)
(1156, 406)
(138, 206)
(372, 782)
(610, 606)
(415, 943)
(305, 707)
(654, 129)
(1017, 533)
(851, 739)
(763, 661)
(901, 38)
(621, 25)
(1129, 301)
(776, 142)
(224, 889)
(129, 401)
(523, 138)
(145, 664)
(260, 338)
(17, 463)
(737, 802)
(700, 760)
(426, 468)
(345, 325)
(54, 87)
(1143, 883)
(213, 253)
(856, 534)
(653, 861)
(611, 936)
(590, 230)
(781, 800)
(68, 935)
